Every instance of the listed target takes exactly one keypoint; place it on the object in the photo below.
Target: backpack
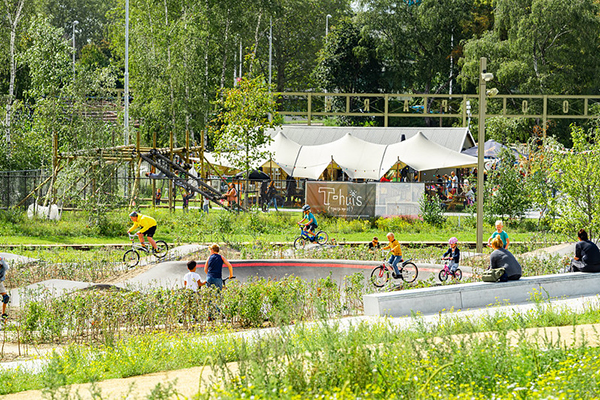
(492, 275)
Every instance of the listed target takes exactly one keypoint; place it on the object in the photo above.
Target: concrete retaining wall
(480, 294)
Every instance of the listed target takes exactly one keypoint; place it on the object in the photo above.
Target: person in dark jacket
(502, 258)
(272, 195)
(587, 255)
(290, 187)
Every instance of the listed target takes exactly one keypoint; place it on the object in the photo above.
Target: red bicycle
(383, 273)
(446, 271)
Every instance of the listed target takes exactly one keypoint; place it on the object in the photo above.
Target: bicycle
(383, 273)
(321, 237)
(446, 271)
(131, 258)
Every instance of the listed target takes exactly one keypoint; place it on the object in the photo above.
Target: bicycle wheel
(299, 243)
(131, 258)
(443, 275)
(162, 249)
(321, 237)
(380, 276)
(409, 272)
(458, 274)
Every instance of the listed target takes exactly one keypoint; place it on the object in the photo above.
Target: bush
(432, 210)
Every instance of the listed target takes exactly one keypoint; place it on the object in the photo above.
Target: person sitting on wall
(587, 255)
(502, 258)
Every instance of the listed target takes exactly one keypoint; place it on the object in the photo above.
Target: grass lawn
(221, 226)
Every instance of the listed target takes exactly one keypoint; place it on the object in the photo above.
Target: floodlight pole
(126, 78)
(480, 154)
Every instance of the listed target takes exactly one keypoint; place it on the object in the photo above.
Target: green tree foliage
(91, 15)
(540, 186)
(508, 130)
(505, 190)
(432, 210)
(298, 36)
(417, 39)
(539, 47)
(238, 131)
(348, 64)
(575, 173)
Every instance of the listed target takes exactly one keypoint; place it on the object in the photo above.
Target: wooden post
(331, 170)
(187, 146)
(154, 180)
(171, 187)
(49, 193)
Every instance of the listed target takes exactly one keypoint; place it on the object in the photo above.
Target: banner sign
(342, 199)
(364, 200)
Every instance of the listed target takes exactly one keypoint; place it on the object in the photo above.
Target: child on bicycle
(311, 222)
(395, 253)
(452, 254)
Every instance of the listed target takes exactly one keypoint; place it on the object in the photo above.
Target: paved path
(188, 382)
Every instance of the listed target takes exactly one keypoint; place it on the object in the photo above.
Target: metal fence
(16, 185)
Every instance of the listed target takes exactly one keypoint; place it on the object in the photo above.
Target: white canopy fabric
(360, 159)
(422, 154)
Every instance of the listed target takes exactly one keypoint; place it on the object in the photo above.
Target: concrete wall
(480, 294)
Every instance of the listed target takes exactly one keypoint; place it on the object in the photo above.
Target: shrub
(432, 210)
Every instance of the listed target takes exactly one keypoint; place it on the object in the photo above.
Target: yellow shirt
(143, 221)
(394, 247)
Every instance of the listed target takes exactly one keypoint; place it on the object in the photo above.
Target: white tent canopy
(360, 159)
(422, 154)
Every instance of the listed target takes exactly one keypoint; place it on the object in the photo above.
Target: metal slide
(183, 178)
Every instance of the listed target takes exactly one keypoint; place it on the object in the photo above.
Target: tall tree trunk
(224, 65)
(14, 22)
(256, 37)
(170, 72)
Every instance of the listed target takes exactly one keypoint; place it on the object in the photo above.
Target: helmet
(305, 207)
(133, 214)
(452, 240)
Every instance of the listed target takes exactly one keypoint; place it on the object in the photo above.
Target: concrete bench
(480, 294)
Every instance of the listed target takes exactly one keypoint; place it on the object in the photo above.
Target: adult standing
(272, 195)
(231, 195)
(453, 183)
(214, 267)
(290, 188)
(587, 255)
(502, 258)
(264, 188)
(3, 291)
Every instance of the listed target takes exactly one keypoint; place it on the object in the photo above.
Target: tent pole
(331, 173)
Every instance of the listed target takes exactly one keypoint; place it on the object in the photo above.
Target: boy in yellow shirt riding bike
(395, 253)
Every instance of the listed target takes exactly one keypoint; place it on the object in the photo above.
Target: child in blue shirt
(311, 222)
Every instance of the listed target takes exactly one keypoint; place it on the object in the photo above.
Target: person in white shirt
(192, 280)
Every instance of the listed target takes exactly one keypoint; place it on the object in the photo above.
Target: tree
(575, 173)
(238, 131)
(505, 189)
(297, 39)
(539, 47)
(418, 41)
(14, 14)
(348, 64)
(539, 165)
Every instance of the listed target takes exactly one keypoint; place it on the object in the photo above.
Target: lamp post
(327, 24)
(74, 51)
(484, 77)
(126, 79)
